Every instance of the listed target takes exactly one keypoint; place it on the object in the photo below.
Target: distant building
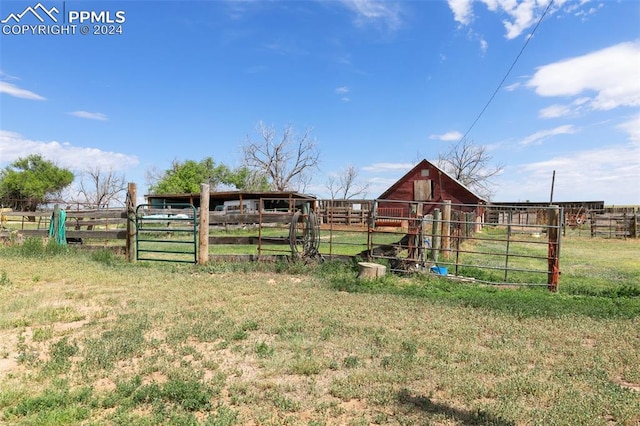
(429, 184)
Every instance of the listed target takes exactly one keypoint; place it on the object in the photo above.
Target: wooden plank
(250, 240)
(99, 235)
(246, 257)
(90, 222)
(104, 214)
(215, 219)
(97, 214)
(28, 214)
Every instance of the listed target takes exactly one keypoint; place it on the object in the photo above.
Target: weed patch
(4, 279)
(106, 257)
(58, 405)
(125, 340)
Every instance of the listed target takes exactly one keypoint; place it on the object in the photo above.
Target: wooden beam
(130, 235)
(94, 235)
(203, 225)
(216, 219)
(250, 240)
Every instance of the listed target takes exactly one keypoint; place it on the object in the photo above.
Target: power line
(495, 92)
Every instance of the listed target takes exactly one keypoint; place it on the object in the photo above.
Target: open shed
(280, 201)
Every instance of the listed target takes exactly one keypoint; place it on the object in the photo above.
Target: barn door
(422, 190)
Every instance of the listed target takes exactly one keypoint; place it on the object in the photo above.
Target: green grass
(95, 340)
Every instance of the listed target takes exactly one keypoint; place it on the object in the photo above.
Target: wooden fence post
(553, 273)
(203, 225)
(55, 223)
(130, 245)
(446, 228)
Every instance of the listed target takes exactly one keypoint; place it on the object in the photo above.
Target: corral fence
(103, 224)
(175, 232)
(344, 212)
(593, 217)
(510, 246)
(291, 229)
(615, 224)
(515, 247)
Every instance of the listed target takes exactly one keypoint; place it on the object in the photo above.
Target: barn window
(424, 172)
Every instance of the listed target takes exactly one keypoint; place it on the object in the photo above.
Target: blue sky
(382, 84)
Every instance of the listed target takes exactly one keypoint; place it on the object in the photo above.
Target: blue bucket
(439, 270)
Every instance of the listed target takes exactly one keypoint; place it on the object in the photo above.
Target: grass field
(86, 338)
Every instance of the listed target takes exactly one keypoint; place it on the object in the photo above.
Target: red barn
(431, 185)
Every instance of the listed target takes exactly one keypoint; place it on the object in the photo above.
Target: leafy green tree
(30, 181)
(246, 179)
(186, 177)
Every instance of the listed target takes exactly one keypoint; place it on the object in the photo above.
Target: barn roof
(423, 164)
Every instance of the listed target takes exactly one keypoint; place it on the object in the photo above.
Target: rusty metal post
(371, 227)
(553, 231)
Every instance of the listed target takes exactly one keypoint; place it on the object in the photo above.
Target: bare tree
(101, 189)
(345, 184)
(471, 165)
(153, 175)
(287, 161)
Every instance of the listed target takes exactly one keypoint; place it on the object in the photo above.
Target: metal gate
(506, 245)
(167, 234)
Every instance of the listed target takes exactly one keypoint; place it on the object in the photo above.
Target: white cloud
(447, 137)
(484, 46)
(89, 115)
(537, 137)
(520, 14)
(388, 167)
(344, 90)
(632, 127)
(14, 146)
(611, 174)
(378, 185)
(523, 16)
(374, 11)
(462, 11)
(15, 91)
(512, 87)
(555, 111)
(611, 73)
(566, 110)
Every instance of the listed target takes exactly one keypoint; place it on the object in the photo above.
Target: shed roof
(422, 164)
(234, 195)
